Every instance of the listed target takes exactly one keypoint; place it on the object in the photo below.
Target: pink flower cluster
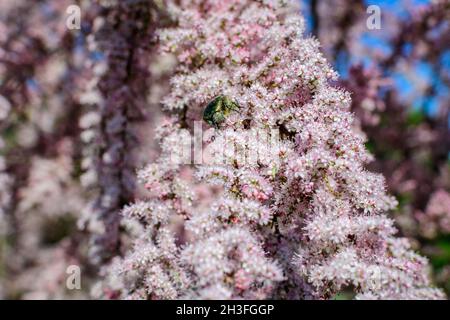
(307, 220)
(436, 218)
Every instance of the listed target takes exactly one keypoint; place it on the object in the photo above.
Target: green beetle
(217, 109)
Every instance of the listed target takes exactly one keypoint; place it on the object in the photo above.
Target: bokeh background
(52, 79)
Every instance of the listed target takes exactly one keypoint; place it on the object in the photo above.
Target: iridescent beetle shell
(217, 110)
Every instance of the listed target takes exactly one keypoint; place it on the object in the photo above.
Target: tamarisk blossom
(40, 59)
(409, 139)
(436, 218)
(122, 34)
(306, 220)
